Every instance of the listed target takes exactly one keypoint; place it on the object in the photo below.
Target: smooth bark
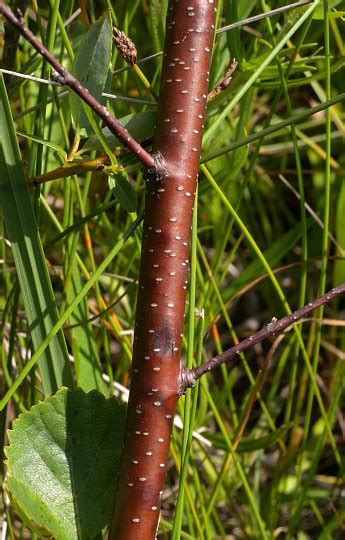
(156, 375)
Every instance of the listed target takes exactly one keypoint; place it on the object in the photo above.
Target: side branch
(190, 376)
(62, 76)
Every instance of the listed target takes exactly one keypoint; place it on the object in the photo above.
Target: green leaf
(318, 13)
(85, 352)
(244, 8)
(44, 142)
(28, 255)
(123, 191)
(90, 67)
(141, 126)
(63, 460)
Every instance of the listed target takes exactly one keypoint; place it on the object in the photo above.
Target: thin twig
(189, 377)
(63, 94)
(62, 76)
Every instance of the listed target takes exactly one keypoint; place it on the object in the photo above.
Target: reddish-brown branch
(192, 375)
(156, 375)
(62, 76)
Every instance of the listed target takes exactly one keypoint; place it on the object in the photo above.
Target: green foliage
(141, 126)
(62, 463)
(123, 191)
(90, 67)
(269, 238)
(88, 366)
(27, 251)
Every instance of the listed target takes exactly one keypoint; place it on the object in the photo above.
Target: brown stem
(156, 374)
(11, 39)
(62, 76)
(96, 165)
(190, 376)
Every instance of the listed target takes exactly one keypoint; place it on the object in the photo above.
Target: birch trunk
(156, 372)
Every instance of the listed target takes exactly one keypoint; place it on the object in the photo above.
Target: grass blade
(29, 257)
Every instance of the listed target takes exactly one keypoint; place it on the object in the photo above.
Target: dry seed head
(125, 46)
